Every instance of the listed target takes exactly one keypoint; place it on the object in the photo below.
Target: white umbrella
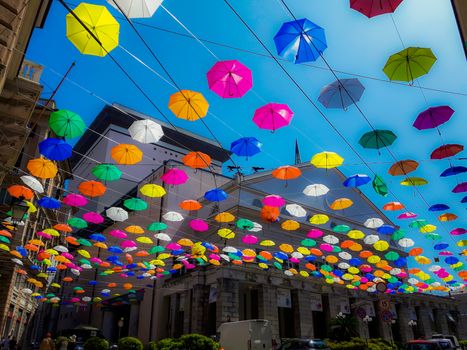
(371, 239)
(33, 183)
(163, 237)
(434, 268)
(229, 249)
(105, 291)
(129, 249)
(172, 216)
(116, 214)
(297, 255)
(137, 8)
(86, 266)
(345, 255)
(256, 227)
(86, 299)
(75, 272)
(145, 131)
(9, 220)
(61, 248)
(343, 265)
(315, 190)
(395, 271)
(412, 280)
(225, 257)
(26, 291)
(288, 273)
(331, 239)
(373, 223)
(406, 242)
(295, 210)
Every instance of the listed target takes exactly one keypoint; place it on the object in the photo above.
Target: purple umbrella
(458, 231)
(462, 187)
(433, 117)
(229, 79)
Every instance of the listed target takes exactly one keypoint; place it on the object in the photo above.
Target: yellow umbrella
(4, 247)
(100, 245)
(145, 240)
(286, 248)
(152, 190)
(327, 160)
(32, 207)
(341, 204)
(423, 260)
(319, 219)
(303, 250)
(224, 217)
(427, 228)
(226, 233)
(267, 243)
(134, 229)
(164, 256)
(51, 251)
(462, 243)
(355, 234)
(52, 232)
(98, 21)
(185, 242)
(42, 168)
(381, 246)
(84, 253)
(414, 181)
(189, 105)
(290, 225)
(36, 242)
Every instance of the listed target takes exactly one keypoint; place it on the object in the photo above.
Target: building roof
(119, 115)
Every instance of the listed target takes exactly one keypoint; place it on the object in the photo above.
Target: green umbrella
(84, 261)
(245, 224)
(135, 204)
(106, 172)
(67, 124)
(77, 223)
(336, 249)
(398, 234)
(4, 240)
(380, 186)
(409, 64)
(84, 242)
(377, 139)
(433, 236)
(391, 256)
(156, 249)
(308, 242)
(418, 223)
(277, 265)
(341, 228)
(157, 226)
(327, 268)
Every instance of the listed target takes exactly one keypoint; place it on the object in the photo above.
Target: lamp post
(120, 325)
(412, 324)
(393, 321)
(18, 209)
(367, 319)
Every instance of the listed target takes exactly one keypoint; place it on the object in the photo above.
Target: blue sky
(356, 46)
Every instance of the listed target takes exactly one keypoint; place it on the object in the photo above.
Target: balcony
(31, 71)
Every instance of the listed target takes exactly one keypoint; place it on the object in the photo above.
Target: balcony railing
(31, 71)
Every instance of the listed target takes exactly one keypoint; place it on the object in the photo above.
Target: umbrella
(215, 195)
(126, 154)
(269, 214)
(244, 224)
(453, 170)
(341, 93)
(300, 41)
(49, 203)
(380, 186)
(118, 234)
(197, 160)
(407, 215)
(230, 79)
(273, 201)
(414, 181)
(327, 160)
(67, 124)
(224, 217)
(319, 219)
(75, 200)
(373, 223)
(446, 151)
(433, 117)
(106, 172)
(273, 116)
(406, 242)
(226, 233)
(315, 190)
(403, 167)
(175, 176)
(409, 64)
(341, 204)
(152, 190)
(188, 105)
(246, 146)
(295, 210)
(464, 200)
(92, 188)
(458, 231)
(372, 8)
(98, 237)
(173, 216)
(55, 149)
(135, 229)
(357, 180)
(33, 183)
(199, 225)
(98, 20)
(19, 191)
(286, 172)
(393, 206)
(447, 217)
(42, 168)
(135, 204)
(190, 205)
(462, 187)
(77, 223)
(116, 214)
(93, 217)
(290, 225)
(146, 130)
(163, 237)
(377, 139)
(136, 8)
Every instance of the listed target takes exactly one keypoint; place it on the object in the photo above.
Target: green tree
(343, 327)
(130, 343)
(95, 343)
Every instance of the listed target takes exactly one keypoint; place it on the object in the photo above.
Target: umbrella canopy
(414, 181)
(92, 188)
(197, 160)
(341, 204)
(315, 190)
(172, 216)
(273, 200)
(224, 217)
(55, 149)
(372, 8)
(286, 172)
(188, 105)
(447, 217)
(380, 186)
(77, 223)
(152, 190)
(75, 200)
(393, 206)
(230, 79)
(98, 21)
(106, 172)
(446, 151)
(295, 210)
(146, 130)
(136, 204)
(453, 170)
(49, 203)
(327, 160)
(373, 223)
(409, 64)
(215, 195)
(19, 191)
(341, 94)
(126, 154)
(462, 187)
(357, 180)
(93, 217)
(403, 167)
(438, 207)
(175, 176)
(136, 8)
(273, 116)
(300, 41)
(246, 146)
(433, 117)
(190, 205)
(33, 183)
(67, 124)
(377, 139)
(42, 168)
(116, 214)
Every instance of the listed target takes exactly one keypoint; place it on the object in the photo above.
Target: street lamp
(367, 319)
(18, 210)
(120, 325)
(412, 324)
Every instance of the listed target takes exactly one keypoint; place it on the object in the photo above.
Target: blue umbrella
(98, 237)
(464, 200)
(281, 256)
(451, 260)
(438, 207)
(49, 203)
(92, 283)
(55, 149)
(300, 41)
(454, 170)
(441, 246)
(386, 229)
(341, 94)
(215, 195)
(357, 180)
(22, 250)
(355, 262)
(116, 250)
(246, 146)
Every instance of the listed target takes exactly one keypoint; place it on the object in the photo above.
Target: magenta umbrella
(44, 235)
(93, 217)
(273, 200)
(249, 239)
(462, 187)
(118, 234)
(458, 231)
(199, 225)
(173, 246)
(445, 253)
(128, 244)
(230, 79)
(371, 8)
(326, 247)
(314, 233)
(407, 215)
(175, 177)
(433, 117)
(273, 116)
(68, 256)
(95, 260)
(75, 200)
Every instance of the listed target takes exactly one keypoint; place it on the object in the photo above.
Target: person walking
(47, 343)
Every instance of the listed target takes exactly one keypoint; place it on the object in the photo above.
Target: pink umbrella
(365, 269)
(295, 260)
(199, 225)
(445, 253)
(273, 116)
(118, 234)
(93, 217)
(44, 235)
(249, 239)
(407, 215)
(326, 247)
(68, 256)
(173, 246)
(75, 200)
(402, 275)
(230, 79)
(363, 280)
(128, 244)
(95, 260)
(458, 231)
(273, 200)
(175, 177)
(314, 233)
(214, 257)
(75, 300)
(188, 265)
(462, 187)
(123, 275)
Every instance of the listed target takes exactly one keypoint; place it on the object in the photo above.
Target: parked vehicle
(246, 335)
(423, 345)
(445, 344)
(303, 344)
(452, 338)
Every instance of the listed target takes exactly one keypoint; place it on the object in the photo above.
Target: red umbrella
(446, 151)
(371, 8)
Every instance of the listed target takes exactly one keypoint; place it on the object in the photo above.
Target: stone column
(133, 322)
(305, 319)
(227, 308)
(424, 323)
(198, 308)
(441, 320)
(462, 321)
(384, 328)
(405, 314)
(268, 308)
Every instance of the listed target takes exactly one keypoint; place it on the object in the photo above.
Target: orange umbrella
(197, 160)
(126, 154)
(393, 206)
(31, 247)
(67, 279)
(42, 168)
(5, 233)
(134, 229)
(341, 204)
(286, 172)
(188, 105)
(447, 217)
(19, 191)
(415, 251)
(190, 205)
(403, 167)
(63, 227)
(269, 214)
(72, 240)
(92, 188)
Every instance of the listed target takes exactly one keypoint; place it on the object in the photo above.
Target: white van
(246, 335)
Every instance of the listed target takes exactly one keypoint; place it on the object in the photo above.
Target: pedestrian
(47, 343)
